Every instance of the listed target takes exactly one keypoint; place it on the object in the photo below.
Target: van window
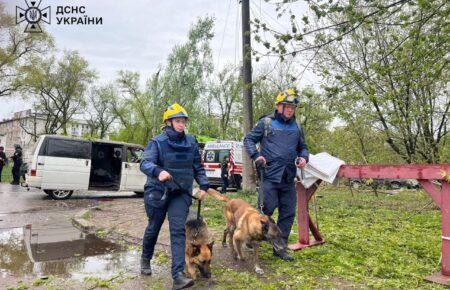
(68, 148)
(215, 156)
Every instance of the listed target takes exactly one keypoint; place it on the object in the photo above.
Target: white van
(213, 155)
(59, 165)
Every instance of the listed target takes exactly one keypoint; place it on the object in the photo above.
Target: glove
(260, 162)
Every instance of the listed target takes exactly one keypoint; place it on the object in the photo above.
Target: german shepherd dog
(247, 225)
(198, 248)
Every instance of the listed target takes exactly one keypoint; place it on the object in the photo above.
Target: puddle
(62, 251)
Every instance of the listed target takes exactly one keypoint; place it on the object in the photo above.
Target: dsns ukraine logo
(32, 15)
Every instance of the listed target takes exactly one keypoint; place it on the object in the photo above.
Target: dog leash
(199, 206)
(182, 189)
(261, 170)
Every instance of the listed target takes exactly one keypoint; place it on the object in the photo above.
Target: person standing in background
(17, 159)
(224, 166)
(3, 160)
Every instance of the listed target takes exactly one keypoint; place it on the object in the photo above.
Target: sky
(138, 35)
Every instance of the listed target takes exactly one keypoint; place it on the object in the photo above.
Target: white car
(60, 165)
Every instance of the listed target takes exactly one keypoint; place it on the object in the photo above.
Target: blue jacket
(282, 145)
(179, 155)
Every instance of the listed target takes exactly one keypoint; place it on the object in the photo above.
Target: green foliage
(15, 49)
(383, 62)
(59, 87)
(99, 283)
(20, 286)
(358, 144)
(87, 215)
(201, 138)
(47, 281)
(399, 88)
(7, 174)
(162, 258)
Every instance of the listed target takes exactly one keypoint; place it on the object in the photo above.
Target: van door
(66, 164)
(132, 177)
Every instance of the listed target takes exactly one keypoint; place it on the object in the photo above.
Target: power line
(223, 33)
(270, 16)
(236, 36)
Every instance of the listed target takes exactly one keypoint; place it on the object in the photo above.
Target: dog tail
(217, 195)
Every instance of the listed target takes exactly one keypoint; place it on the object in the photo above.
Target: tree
(59, 88)
(101, 114)
(139, 110)
(189, 66)
(358, 145)
(397, 77)
(387, 58)
(226, 96)
(16, 47)
(183, 80)
(330, 21)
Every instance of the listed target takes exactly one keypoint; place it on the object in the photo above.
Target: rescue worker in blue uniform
(171, 159)
(282, 150)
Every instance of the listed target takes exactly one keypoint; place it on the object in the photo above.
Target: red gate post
(304, 222)
(424, 173)
(443, 277)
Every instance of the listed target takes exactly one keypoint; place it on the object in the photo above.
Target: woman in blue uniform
(171, 160)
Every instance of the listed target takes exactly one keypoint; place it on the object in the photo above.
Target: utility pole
(248, 174)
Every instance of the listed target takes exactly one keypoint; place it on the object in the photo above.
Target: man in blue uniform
(171, 159)
(282, 150)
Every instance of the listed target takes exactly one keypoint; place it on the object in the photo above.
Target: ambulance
(213, 155)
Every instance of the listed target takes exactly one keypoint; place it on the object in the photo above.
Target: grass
(87, 215)
(371, 242)
(6, 173)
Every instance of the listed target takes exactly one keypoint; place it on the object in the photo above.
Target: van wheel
(48, 192)
(60, 194)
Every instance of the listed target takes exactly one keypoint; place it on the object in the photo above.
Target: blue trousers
(177, 209)
(284, 197)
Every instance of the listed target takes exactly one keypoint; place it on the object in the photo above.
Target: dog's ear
(195, 250)
(210, 245)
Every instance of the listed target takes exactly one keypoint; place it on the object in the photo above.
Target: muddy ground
(42, 246)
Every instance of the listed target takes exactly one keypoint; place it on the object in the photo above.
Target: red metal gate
(424, 173)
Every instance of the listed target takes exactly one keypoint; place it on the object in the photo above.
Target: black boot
(145, 267)
(283, 255)
(181, 281)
